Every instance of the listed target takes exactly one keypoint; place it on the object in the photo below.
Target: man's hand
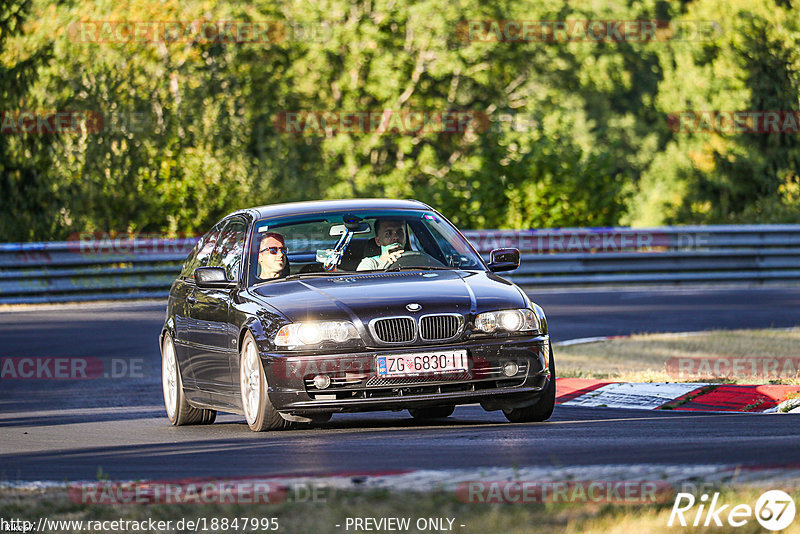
(389, 258)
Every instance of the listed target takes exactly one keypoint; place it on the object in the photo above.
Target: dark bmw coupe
(292, 312)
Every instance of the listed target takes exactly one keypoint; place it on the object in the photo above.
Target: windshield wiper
(311, 275)
(296, 276)
(428, 268)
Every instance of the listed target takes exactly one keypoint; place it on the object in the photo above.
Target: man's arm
(368, 264)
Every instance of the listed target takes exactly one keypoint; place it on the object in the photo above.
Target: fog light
(322, 381)
(510, 368)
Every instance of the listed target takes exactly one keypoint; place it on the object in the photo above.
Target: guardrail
(98, 269)
(90, 269)
(667, 255)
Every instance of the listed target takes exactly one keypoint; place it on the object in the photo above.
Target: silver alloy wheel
(169, 378)
(250, 377)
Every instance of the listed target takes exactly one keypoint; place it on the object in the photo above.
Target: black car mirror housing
(212, 277)
(503, 259)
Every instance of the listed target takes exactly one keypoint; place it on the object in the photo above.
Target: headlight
(314, 333)
(523, 320)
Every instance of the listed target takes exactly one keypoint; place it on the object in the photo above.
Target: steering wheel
(414, 258)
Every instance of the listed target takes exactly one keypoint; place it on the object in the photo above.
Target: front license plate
(419, 364)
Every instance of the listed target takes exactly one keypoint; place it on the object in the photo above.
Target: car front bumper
(355, 385)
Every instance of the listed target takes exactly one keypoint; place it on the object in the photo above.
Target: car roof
(317, 206)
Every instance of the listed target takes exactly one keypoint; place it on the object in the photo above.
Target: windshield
(356, 241)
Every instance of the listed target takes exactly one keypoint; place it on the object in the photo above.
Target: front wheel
(543, 409)
(258, 409)
(179, 411)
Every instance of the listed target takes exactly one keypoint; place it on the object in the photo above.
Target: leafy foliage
(575, 133)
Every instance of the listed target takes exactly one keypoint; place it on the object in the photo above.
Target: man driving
(272, 261)
(390, 235)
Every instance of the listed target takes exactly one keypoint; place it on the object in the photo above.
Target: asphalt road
(57, 429)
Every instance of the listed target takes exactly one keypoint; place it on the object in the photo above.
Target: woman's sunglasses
(274, 250)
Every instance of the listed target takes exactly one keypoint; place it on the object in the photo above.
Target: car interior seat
(357, 250)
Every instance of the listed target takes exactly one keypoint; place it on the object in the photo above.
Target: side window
(229, 249)
(187, 269)
(413, 241)
(430, 242)
(202, 252)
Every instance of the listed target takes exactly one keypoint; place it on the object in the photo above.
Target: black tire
(433, 412)
(259, 412)
(542, 410)
(179, 411)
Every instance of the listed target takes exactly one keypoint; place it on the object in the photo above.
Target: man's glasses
(274, 250)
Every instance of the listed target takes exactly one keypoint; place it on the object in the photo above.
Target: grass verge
(323, 517)
(644, 357)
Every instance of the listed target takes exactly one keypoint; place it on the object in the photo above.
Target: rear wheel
(179, 411)
(433, 412)
(258, 409)
(543, 409)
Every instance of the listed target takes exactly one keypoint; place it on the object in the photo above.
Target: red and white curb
(677, 396)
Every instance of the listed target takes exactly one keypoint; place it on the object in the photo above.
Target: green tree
(28, 207)
(566, 133)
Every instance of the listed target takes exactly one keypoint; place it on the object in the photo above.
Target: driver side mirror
(212, 277)
(503, 259)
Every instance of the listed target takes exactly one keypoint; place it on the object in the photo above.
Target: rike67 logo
(774, 510)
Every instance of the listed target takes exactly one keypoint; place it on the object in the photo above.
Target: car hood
(362, 297)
